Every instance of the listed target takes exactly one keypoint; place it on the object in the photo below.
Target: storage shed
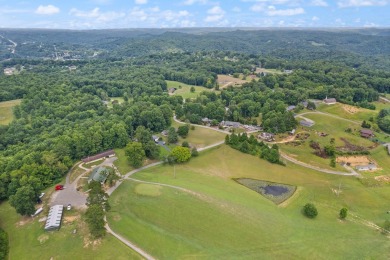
(53, 221)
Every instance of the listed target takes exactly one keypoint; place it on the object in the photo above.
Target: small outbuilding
(306, 123)
(367, 167)
(54, 218)
(330, 101)
(98, 174)
(230, 124)
(366, 133)
(290, 108)
(106, 154)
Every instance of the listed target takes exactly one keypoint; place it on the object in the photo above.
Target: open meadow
(215, 217)
(28, 240)
(347, 111)
(185, 90)
(6, 113)
(200, 136)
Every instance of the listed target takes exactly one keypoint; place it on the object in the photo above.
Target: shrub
(343, 213)
(310, 210)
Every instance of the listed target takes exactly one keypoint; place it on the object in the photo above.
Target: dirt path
(384, 99)
(327, 114)
(288, 158)
(128, 243)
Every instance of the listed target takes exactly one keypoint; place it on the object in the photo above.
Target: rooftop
(54, 218)
(98, 174)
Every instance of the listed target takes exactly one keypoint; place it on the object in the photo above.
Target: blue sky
(99, 14)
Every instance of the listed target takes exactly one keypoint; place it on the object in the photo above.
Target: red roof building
(105, 154)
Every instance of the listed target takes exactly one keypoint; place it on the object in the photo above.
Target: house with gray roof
(53, 221)
(98, 174)
(230, 124)
(368, 167)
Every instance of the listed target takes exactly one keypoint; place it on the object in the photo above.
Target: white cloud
(215, 14)
(358, 3)
(47, 10)
(236, 9)
(191, 2)
(315, 18)
(272, 11)
(319, 3)
(259, 7)
(97, 15)
(141, 2)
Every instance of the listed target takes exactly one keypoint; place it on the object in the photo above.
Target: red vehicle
(59, 187)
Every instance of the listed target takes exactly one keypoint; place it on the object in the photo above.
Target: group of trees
(97, 203)
(384, 120)
(4, 247)
(250, 145)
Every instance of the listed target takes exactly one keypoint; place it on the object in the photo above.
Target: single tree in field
(343, 213)
(310, 210)
(183, 130)
(181, 154)
(311, 105)
(192, 89)
(135, 154)
(24, 200)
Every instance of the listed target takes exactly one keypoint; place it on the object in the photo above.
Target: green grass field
(184, 91)
(338, 110)
(28, 240)
(200, 137)
(121, 163)
(223, 219)
(6, 113)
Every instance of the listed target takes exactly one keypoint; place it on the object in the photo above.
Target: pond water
(275, 190)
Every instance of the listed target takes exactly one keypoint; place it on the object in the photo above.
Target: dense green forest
(64, 117)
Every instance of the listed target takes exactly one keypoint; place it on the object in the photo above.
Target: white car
(42, 194)
(69, 207)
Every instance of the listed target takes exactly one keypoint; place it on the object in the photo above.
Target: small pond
(276, 192)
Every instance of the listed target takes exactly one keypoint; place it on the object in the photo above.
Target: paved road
(70, 195)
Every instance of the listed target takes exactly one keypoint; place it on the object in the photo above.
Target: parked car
(69, 207)
(59, 187)
(42, 194)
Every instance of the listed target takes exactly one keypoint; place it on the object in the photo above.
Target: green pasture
(338, 110)
(28, 240)
(219, 218)
(200, 136)
(6, 113)
(184, 91)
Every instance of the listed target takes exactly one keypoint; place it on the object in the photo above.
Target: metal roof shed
(53, 221)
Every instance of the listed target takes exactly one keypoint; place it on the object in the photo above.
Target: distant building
(366, 133)
(99, 156)
(171, 90)
(164, 133)
(230, 124)
(306, 123)
(98, 174)
(53, 221)
(269, 137)
(330, 101)
(304, 103)
(206, 121)
(72, 68)
(288, 71)
(290, 108)
(155, 138)
(367, 167)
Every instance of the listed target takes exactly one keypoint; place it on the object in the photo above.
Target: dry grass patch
(354, 160)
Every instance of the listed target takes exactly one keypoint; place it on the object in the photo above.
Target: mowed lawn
(222, 219)
(185, 90)
(200, 136)
(28, 240)
(6, 113)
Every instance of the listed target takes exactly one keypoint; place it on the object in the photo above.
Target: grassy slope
(184, 91)
(337, 109)
(6, 114)
(200, 137)
(332, 126)
(30, 241)
(231, 221)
